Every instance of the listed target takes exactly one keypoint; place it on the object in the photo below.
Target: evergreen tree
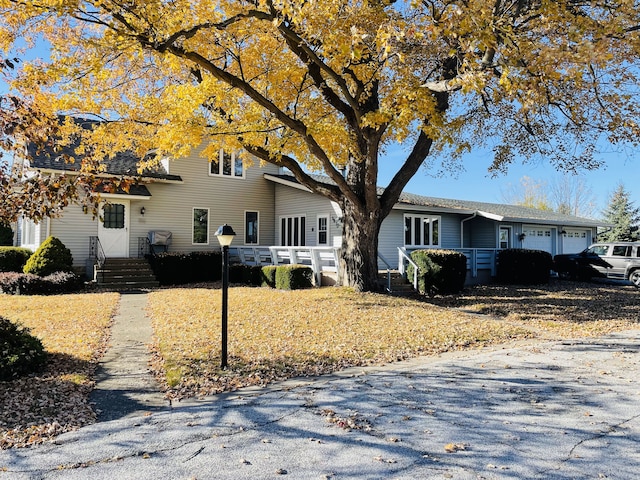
(624, 217)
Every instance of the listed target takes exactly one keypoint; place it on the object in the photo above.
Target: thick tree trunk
(359, 253)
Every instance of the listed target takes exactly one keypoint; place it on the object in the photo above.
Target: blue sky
(475, 182)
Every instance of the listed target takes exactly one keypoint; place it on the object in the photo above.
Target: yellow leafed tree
(325, 85)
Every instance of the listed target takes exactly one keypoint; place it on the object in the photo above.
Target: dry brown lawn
(275, 335)
(73, 329)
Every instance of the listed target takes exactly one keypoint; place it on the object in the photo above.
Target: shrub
(440, 271)
(427, 271)
(6, 235)
(20, 352)
(293, 277)
(14, 283)
(172, 268)
(245, 274)
(524, 267)
(13, 259)
(269, 276)
(50, 257)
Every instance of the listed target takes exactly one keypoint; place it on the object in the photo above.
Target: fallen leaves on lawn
(561, 308)
(73, 329)
(275, 335)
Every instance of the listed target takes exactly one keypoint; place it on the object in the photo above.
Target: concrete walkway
(124, 385)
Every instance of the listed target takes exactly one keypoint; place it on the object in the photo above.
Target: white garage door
(574, 240)
(538, 238)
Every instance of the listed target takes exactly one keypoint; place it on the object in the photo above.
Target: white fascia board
(288, 183)
(106, 175)
(124, 196)
(492, 216)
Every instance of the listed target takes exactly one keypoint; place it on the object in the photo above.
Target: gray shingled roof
(496, 211)
(124, 163)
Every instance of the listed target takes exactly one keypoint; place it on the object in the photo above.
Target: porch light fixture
(142, 211)
(225, 235)
(522, 236)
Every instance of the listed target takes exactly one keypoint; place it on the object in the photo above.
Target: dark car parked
(619, 260)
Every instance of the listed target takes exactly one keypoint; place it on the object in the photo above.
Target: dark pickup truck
(619, 260)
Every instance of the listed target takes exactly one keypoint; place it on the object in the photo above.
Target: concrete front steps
(399, 285)
(125, 274)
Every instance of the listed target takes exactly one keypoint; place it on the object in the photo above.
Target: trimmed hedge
(50, 257)
(171, 268)
(440, 271)
(524, 267)
(14, 283)
(13, 259)
(20, 352)
(269, 276)
(293, 277)
(245, 274)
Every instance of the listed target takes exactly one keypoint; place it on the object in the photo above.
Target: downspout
(462, 228)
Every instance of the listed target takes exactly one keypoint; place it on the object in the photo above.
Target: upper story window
(227, 165)
(421, 231)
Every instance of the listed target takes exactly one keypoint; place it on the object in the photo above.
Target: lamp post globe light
(225, 235)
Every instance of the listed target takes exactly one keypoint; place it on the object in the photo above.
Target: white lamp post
(225, 235)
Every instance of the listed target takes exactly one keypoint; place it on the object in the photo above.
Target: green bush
(269, 276)
(50, 257)
(14, 283)
(440, 271)
(20, 352)
(293, 277)
(13, 259)
(6, 235)
(524, 267)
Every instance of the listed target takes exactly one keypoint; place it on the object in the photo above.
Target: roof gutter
(462, 227)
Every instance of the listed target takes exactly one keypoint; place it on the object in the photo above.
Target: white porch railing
(477, 259)
(320, 259)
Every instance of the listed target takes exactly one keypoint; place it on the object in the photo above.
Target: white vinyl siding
(171, 205)
(392, 234)
(292, 202)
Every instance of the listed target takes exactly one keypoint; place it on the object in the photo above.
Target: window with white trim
(292, 231)
(30, 233)
(421, 231)
(323, 230)
(200, 226)
(227, 165)
(251, 226)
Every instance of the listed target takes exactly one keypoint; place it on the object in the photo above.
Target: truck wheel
(635, 277)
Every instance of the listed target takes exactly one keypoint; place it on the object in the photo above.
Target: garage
(575, 240)
(538, 238)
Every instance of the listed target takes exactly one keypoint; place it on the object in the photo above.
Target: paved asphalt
(552, 410)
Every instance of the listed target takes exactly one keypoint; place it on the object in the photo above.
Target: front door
(113, 228)
(505, 237)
